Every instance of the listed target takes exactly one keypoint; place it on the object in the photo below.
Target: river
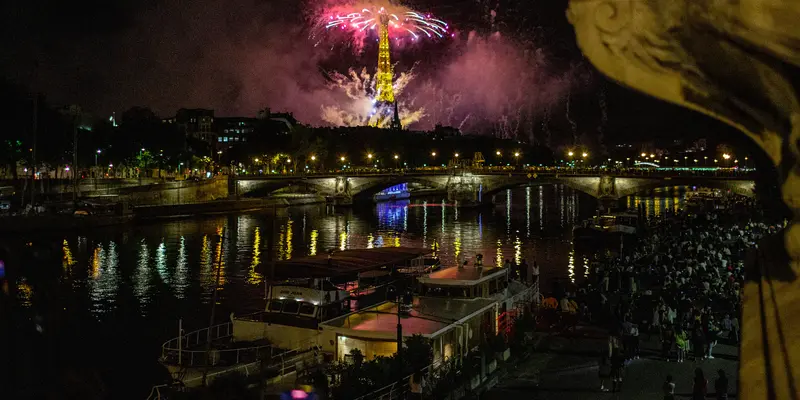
(99, 305)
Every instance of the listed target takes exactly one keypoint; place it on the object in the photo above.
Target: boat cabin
(455, 307)
(311, 289)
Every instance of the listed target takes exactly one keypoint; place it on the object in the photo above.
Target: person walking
(721, 386)
(617, 370)
(604, 372)
(699, 385)
(669, 389)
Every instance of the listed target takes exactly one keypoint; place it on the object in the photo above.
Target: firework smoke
(361, 108)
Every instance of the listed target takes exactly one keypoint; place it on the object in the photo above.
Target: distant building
(446, 131)
(277, 123)
(234, 130)
(196, 123)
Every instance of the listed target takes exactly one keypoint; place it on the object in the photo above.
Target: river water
(99, 305)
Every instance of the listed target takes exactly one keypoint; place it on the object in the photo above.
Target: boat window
(306, 308)
(291, 307)
(275, 305)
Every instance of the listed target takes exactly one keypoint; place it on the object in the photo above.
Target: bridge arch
(366, 188)
(266, 187)
(736, 186)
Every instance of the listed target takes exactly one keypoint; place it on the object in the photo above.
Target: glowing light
(456, 155)
(570, 154)
(584, 155)
(313, 158)
(403, 22)
(369, 156)
(396, 156)
(433, 154)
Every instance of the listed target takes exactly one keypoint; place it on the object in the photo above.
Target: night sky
(242, 55)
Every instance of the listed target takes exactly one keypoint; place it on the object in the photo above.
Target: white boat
(453, 308)
(613, 224)
(311, 289)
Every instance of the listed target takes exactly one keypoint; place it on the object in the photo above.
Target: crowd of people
(681, 282)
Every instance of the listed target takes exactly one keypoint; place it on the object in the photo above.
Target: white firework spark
(362, 109)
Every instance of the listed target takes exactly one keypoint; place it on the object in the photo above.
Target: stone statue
(737, 61)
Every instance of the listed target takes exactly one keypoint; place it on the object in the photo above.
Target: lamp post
(396, 158)
(583, 161)
(569, 157)
(516, 158)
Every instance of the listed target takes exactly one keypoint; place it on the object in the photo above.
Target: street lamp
(369, 156)
(95, 157)
(498, 153)
(313, 158)
(456, 155)
(643, 155)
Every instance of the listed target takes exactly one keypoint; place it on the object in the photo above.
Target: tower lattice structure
(385, 76)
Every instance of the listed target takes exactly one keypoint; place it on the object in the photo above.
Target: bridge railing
(539, 171)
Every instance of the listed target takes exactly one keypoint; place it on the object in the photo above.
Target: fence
(177, 351)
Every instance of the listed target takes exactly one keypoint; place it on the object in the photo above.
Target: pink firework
(401, 22)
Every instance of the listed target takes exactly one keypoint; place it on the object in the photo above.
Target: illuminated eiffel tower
(385, 76)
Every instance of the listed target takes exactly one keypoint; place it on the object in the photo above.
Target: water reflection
(175, 263)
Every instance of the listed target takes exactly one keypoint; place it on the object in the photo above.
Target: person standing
(711, 338)
(416, 382)
(698, 342)
(699, 385)
(523, 271)
(667, 336)
(535, 272)
(681, 343)
(669, 389)
(721, 386)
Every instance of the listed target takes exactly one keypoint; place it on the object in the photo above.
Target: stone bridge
(472, 188)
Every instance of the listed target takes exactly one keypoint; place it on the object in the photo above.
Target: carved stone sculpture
(737, 61)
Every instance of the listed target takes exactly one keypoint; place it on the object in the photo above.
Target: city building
(196, 123)
(234, 130)
(277, 123)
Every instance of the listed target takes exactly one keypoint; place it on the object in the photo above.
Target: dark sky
(237, 56)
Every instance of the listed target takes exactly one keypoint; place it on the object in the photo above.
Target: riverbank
(221, 207)
(67, 222)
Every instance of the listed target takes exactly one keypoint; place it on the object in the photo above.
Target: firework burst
(362, 109)
(401, 23)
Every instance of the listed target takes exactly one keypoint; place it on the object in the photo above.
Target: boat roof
(429, 316)
(620, 214)
(346, 262)
(467, 276)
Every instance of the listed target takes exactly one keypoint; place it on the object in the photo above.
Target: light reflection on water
(177, 261)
